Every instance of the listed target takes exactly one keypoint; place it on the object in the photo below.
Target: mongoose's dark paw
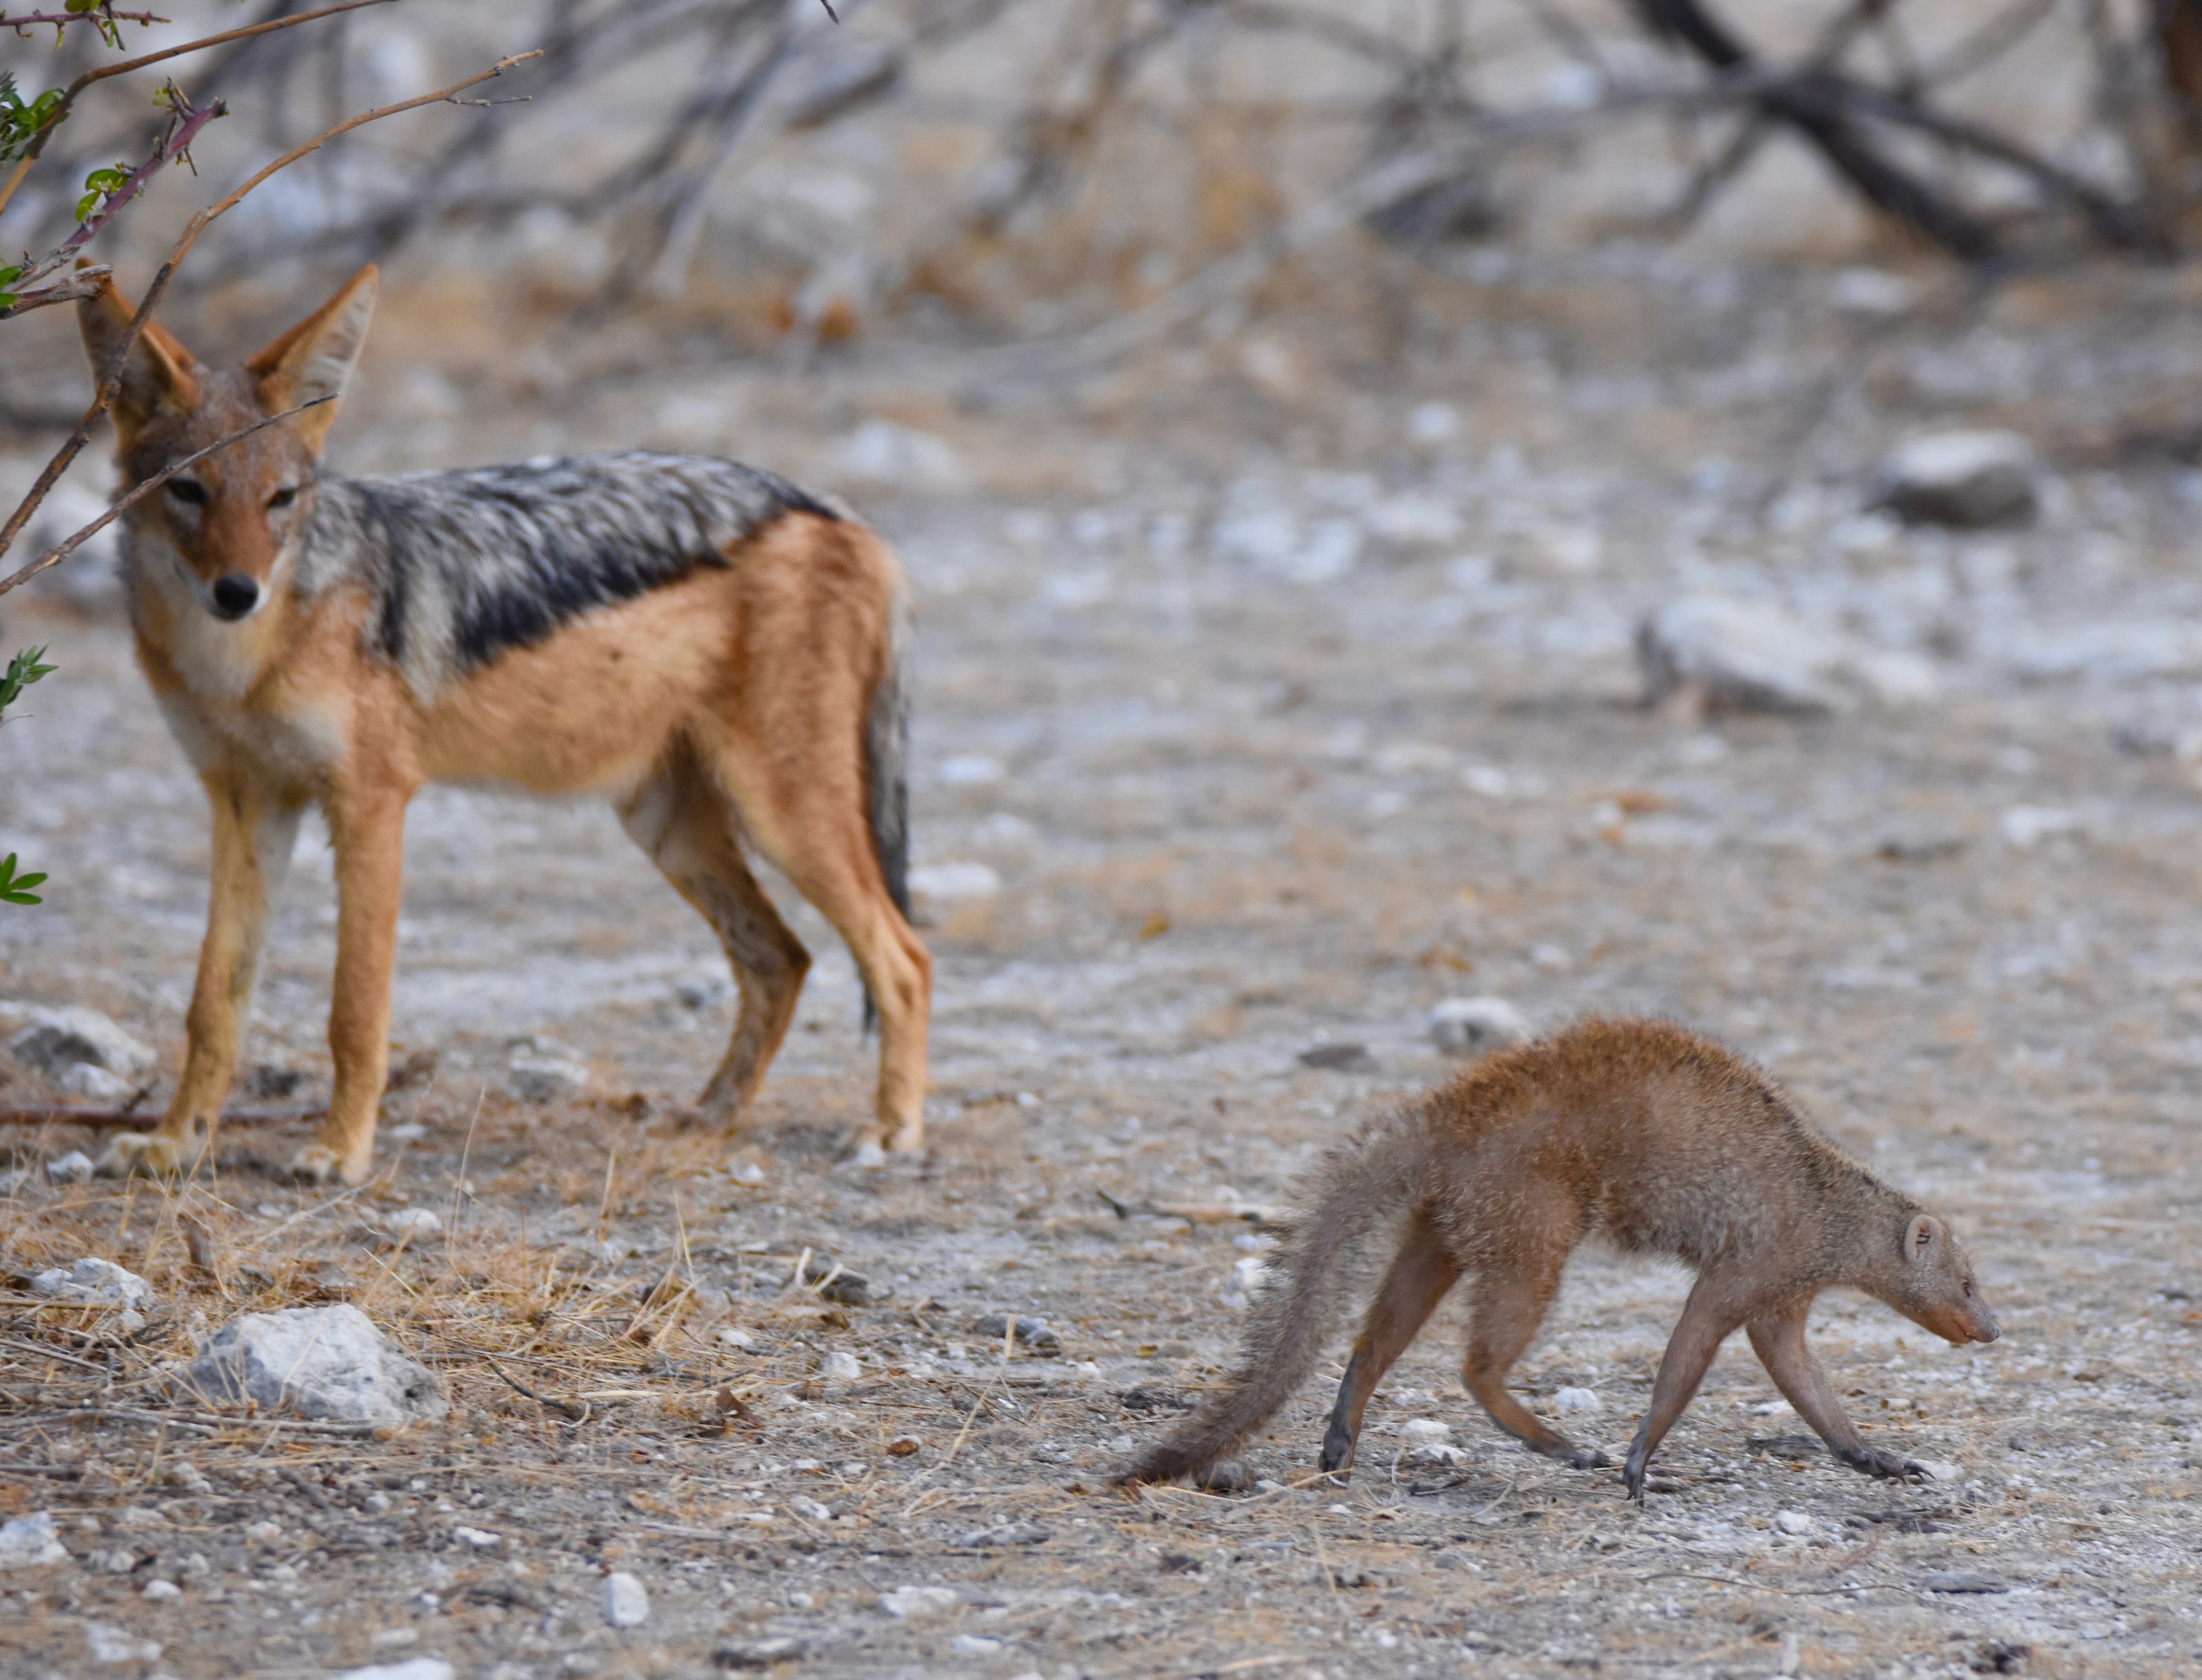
(1337, 1457)
(1632, 1479)
(1885, 1466)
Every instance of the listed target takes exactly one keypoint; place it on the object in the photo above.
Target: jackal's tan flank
(707, 647)
(1657, 1140)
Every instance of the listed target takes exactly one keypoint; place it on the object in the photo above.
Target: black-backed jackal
(711, 649)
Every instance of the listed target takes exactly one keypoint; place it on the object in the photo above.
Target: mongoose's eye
(188, 491)
(283, 498)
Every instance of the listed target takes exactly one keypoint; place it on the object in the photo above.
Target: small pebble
(626, 1599)
(73, 1168)
(841, 1367)
(158, 1589)
(1569, 1401)
(1794, 1521)
(263, 1532)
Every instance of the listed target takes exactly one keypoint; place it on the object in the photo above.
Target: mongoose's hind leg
(1419, 1279)
(1510, 1303)
(687, 825)
(1778, 1339)
(1707, 1321)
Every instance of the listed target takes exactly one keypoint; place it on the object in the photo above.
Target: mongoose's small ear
(159, 375)
(1922, 1236)
(315, 357)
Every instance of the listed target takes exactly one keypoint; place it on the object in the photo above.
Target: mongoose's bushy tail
(1359, 1189)
(886, 747)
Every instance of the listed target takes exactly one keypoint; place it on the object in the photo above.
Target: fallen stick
(118, 1119)
(1199, 1213)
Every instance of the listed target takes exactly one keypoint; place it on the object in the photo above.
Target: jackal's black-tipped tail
(886, 751)
(1362, 1186)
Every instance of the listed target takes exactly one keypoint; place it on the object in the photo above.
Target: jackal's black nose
(235, 595)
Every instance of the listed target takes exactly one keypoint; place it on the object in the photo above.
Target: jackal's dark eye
(190, 491)
(283, 498)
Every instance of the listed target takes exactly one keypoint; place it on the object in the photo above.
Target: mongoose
(1659, 1140)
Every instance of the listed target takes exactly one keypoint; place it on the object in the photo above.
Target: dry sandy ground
(1241, 800)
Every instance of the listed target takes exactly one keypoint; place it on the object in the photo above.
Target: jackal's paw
(144, 1154)
(315, 1164)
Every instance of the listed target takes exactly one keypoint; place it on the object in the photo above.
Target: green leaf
(13, 888)
(22, 671)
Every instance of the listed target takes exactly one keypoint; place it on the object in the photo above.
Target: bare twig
(111, 376)
(112, 1119)
(175, 147)
(62, 110)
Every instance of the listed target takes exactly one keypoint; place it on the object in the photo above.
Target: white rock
(480, 1539)
(112, 1645)
(13, 1181)
(949, 882)
(313, 1361)
(544, 1079)
(1872, 292)
(263, 1532)
(2027, 826)
(1476, 1026)
(73, 1168)
(413, 1668)
(920, 1604)
(1425, 1431)
(1961, 478)
(882, 452)
(812, 1509)
(971, 769)
(1413, 520)
(1750, 654)
(417, 1222)
(1941, 1470)
(1794, 1521)
(1570, 1401)
(841, 1367)
(90, 1282)
(93, 1084)
(53, 1040)
(733, 1337)
(28, 1542)
(1432, 422)
(158, 1590)
(1758, 656)
(626, 1599)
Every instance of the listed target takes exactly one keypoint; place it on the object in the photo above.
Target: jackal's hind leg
(835, 870)
(253, 836)
(689, 828)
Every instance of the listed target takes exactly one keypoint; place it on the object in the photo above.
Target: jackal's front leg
(253, 832)
(368, 831)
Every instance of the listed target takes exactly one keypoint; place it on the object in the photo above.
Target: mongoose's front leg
(1419, 1279)
(1778, 1339)
(1707, 1321)
(254, 834)
(368, 829)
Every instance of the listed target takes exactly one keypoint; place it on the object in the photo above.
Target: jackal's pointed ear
(315, 357)
(159, 375)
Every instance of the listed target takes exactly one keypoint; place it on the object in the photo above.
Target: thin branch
(175, 147)
(61, 111)
(23, 22)
(111, 375)
(138, 491)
